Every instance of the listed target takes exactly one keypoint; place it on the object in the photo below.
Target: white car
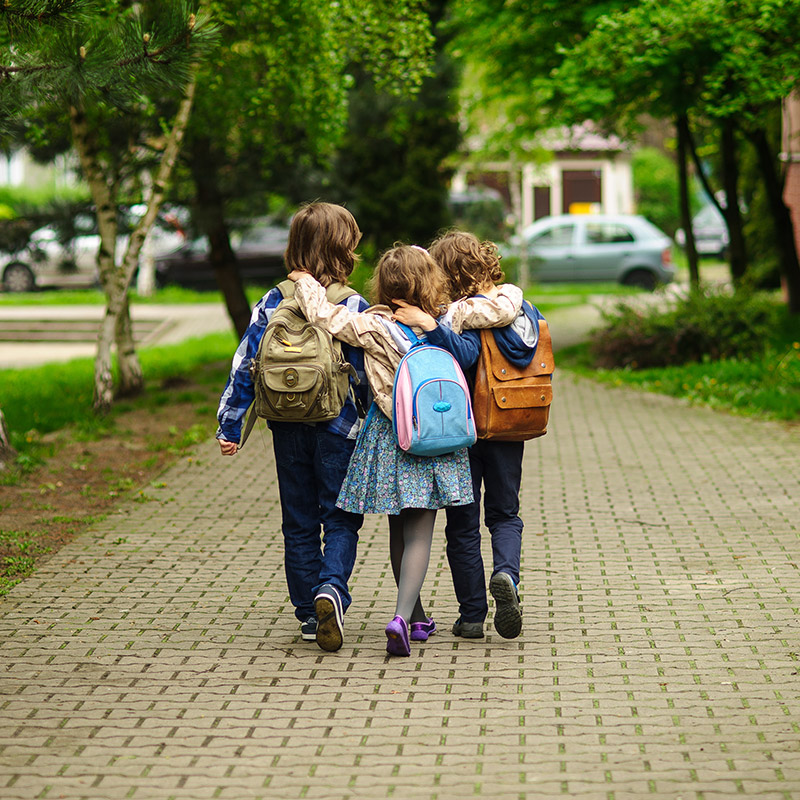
(598, 247)
(710, 233)
(48, 262)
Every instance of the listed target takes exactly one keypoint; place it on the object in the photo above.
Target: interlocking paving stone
(157, 656)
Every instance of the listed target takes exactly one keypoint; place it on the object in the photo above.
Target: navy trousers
(311, 463)
(497, 468)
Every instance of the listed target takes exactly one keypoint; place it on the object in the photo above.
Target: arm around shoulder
(485, 312)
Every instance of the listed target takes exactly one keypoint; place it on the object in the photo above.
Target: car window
(557, 236)
(607, 233)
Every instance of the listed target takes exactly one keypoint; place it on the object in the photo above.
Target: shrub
(712, 324)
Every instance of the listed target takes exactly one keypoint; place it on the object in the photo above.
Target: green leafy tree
(98, 66)
(390, 167)
(686, 60)
(655, 186)
(272, 104)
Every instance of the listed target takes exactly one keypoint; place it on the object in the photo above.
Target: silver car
(49, 263)
(599, 247)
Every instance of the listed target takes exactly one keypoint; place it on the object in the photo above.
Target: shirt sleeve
(465, 347)
(239, 391)
(351, 327)
(486, 312)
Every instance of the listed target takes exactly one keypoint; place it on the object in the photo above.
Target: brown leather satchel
(512, 404)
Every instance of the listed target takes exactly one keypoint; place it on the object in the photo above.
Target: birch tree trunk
(104, 196)
(130, 369)
(7, 452)
(116, 325)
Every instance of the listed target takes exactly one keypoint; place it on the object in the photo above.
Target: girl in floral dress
(382, 478)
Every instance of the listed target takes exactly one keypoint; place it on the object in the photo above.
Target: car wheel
(641, 278)
(18, 278)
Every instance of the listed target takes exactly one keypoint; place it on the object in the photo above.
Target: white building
(585, 173)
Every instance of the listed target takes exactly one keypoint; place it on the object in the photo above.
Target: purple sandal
(397, 638)
(420, 631)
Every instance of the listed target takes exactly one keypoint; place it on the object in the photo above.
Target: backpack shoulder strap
(286, 288)
(410, 334)
(337, 292)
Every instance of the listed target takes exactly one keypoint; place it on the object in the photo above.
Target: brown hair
(408, 272)
(322, 240)
(468, 262)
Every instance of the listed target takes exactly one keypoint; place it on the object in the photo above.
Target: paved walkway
(157, 657)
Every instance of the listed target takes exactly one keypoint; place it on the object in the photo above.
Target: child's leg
(294, 461)
(463, 532)
(396, 550)
(417, 539)
(340, 528)
(503, 471)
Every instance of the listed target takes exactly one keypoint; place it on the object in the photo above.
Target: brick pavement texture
(157, 656)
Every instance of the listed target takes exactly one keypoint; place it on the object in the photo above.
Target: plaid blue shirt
(240, 392)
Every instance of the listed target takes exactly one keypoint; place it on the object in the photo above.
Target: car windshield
(646, 230)
(708, 217)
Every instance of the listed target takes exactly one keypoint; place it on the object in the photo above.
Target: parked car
(51, 262)
(710, 233)
(599, 247)
(259, 252)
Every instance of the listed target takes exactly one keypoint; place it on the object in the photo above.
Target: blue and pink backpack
(432, 411)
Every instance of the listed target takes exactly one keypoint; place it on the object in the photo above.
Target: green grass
(766, 387)
(19, 551)
(38, 400)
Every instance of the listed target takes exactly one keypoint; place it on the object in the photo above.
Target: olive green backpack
(299, 372)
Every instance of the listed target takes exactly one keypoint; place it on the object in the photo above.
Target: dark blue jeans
(498, 467)
(311, 463)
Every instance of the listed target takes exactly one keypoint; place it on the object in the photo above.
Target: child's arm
(485, 312)
(352, 327)
(466, 347)
(239, 391)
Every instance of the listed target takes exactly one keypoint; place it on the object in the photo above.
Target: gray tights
(410, 540)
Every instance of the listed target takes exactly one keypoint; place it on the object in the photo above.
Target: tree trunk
(732, 212)
(684, 136)
(131, 378)
(106, 210)
(130, 370)
(784, 230)
(211, 220)
(7, 452)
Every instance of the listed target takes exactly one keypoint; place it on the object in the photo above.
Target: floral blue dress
(383, 479)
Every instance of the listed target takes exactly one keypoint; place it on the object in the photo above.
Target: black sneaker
(507, 611)
(308, 630)
(468, 630)
(330, 618)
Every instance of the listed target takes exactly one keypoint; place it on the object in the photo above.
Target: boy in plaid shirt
(311, 459)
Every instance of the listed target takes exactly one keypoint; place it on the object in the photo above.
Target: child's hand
(411, 315)
(228, 448)
(296, 274)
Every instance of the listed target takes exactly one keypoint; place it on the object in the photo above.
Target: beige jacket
(383, 340)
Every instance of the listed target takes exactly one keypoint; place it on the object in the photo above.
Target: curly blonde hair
(322, 240)
(467, 262)
(408, 272)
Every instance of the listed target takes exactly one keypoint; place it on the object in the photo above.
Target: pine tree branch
(52, 10)
(146, 56)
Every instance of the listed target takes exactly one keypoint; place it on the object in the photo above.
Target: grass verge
(767, 386)
(73, 468)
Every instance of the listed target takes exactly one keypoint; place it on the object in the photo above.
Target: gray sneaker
(468, 630)
(507, 612)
